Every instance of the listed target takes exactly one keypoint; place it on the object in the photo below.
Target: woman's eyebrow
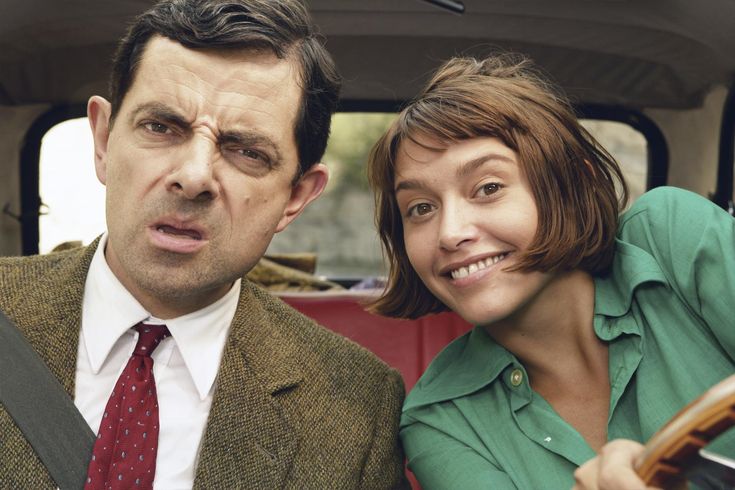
(464, 169)
(405, 185)
(493, 158)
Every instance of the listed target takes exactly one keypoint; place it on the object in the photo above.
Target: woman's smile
(465, 271)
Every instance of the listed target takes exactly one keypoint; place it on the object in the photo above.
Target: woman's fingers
(612, 469)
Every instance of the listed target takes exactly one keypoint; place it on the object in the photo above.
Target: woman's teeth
(477, 266)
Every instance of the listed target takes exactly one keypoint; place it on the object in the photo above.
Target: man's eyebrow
(161, 112)
(463, 169)
(249, 139)
(164, 113)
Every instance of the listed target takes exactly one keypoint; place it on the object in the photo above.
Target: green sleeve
(441, 462)
(693, 240)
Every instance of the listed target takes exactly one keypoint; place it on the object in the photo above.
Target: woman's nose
(457, 228)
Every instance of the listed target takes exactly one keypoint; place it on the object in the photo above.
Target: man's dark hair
(282, 26)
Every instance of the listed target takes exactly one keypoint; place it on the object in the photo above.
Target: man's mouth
(466, 270)
(182, 232)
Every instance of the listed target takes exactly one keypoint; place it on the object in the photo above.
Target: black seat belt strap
(43, 411)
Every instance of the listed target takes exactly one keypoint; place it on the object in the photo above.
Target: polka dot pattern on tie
(124, 454)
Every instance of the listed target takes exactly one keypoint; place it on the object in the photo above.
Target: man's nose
(457, 227)
(193, 175)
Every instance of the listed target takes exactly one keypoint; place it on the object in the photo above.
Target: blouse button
(516, 377)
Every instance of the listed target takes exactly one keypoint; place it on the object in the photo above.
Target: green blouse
(667, 312)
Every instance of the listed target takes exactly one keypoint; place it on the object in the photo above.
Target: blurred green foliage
(353, 135)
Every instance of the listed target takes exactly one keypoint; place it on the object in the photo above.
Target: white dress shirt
(185, 365)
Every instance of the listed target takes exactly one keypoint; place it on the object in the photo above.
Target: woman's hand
(612, 469)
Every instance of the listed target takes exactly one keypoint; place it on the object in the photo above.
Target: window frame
(30, 171)
(724, 195)
(658, 150)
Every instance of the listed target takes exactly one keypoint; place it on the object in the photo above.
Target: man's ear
(98, 113)
(308, 188)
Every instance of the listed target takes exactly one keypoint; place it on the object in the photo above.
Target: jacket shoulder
(319, 346)
(18, 273)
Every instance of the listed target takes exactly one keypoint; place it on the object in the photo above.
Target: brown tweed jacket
(295, 406)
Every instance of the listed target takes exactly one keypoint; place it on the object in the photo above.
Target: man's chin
(172, 298)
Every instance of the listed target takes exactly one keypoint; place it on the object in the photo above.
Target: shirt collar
(109, 310)
(631, 267)
(468, 364)
(475, 360)
(201, 337)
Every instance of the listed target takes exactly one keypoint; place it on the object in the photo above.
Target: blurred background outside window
(338, 227)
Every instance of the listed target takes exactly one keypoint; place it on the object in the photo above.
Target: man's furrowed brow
(250, 140)
(159, 112)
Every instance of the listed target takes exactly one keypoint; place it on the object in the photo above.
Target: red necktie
(124, 454)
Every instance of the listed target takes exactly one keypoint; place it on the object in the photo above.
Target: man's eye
(155, 127)
(489, 188)
(252, 154)
(247, 158)
(420, 209)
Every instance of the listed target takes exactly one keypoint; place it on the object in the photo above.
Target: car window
(73, 198)
(338, 227)
(628, 146)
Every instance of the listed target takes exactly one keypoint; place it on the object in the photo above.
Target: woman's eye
(489, 188)
(155, 127)
(420, 209)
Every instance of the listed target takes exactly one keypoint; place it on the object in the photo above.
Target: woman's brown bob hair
(572, 178)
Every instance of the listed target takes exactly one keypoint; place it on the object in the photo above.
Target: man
(210, 144)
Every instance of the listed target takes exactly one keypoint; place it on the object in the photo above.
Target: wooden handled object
(676, 446)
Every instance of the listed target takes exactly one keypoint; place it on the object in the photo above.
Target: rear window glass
(628, 146)
(338, 227)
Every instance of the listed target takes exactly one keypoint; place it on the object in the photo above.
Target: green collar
(466, 365)
(475, 360)
(632, 266)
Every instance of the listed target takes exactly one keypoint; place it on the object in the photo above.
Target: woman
(494, 202)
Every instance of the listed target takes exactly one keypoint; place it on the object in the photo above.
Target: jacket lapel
(248, 439)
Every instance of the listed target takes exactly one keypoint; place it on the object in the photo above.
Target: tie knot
(149, 337)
